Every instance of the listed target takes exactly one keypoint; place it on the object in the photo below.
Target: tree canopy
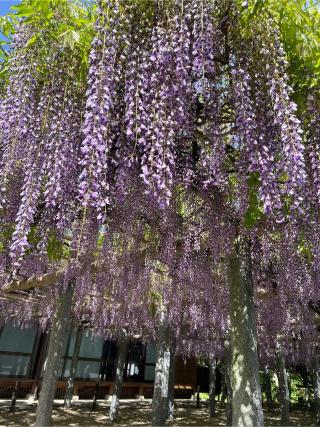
(148, 148)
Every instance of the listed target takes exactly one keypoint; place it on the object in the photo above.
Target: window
(109, 359)
(17, 340)
(16, 346)
(89, 362)
(135, 361)
(14, 366)
(85, 369)
(91, 347)
(150, 365)
(149, 372)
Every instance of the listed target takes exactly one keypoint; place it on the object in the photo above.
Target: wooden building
(23, 355)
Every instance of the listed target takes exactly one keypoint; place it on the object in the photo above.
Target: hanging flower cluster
(159, 108)
(183, 135)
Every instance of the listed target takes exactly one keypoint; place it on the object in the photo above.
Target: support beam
(122, 356)
(267, 379)
(73, 369)
(34, 282)
(172, 375)
(316, 385)
(57, 343)
(246, 399)
(161, 381)
(212, 362)
(283, 389)
(227, 381)
(12, 408)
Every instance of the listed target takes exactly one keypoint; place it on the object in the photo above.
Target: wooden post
(212, 362)
(160, 393)
(267, 379)
(34, 355)
(43, 347)
(223, 384)
(73, 369)
(316, 385)
(94, 398)
(122, 356)
(140, 392)
(14, 398)
(283, 389)
(227, 379)
(198, 397)
(172, 371)
(58, 337)
(305, 378)
(246, 398)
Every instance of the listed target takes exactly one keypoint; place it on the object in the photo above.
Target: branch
(34, 282)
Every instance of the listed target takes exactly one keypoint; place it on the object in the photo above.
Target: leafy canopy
(57, 25)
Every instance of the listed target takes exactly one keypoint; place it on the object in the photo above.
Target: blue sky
(4, 9)
(5, 5)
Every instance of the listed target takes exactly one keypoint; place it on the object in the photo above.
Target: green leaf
(75, 36)
(255, 210)
(257, 6)
(70, 38)
(33, 236)
(32, 40)
(23, 10)
(57, 249)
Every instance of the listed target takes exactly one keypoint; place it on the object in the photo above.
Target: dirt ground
(133, 413)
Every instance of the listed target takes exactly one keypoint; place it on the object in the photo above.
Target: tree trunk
(305, 379)
(223, 385)
(283, 389)
(267, 378)
(246, 399)
(172, 372)
(122, 356)
(316, 384)
(161, 381)
(58, 338)
(212, 386)
(222, 396)
(227, 381)
(73, 369)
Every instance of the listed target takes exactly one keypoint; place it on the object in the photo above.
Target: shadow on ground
(135, 413)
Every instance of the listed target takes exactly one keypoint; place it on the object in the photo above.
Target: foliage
(299, 26)
(255, 210)
(56, 25)
(154, 137)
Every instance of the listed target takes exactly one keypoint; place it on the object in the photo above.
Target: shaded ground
(137, 413)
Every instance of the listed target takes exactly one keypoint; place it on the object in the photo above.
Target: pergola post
(57, 342)
(246, 398)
